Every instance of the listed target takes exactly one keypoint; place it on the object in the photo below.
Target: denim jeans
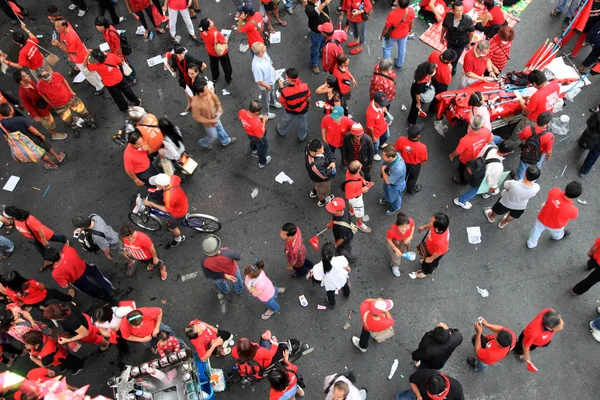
(468, 195)
(212, 132)
(497, 140)
(388, 45)
(562, 4)
(393, 195)
(269, 97)
(6, 245)
(154, 341)
(480, 367)
(522, 167)
(538, 229)
(238, 286)
(590, 160)
(359, 30)
(596, 323)
(99, 288)
(302, 119)
(406, 395)
(261, 146)
(382, 139)
(317, 41)
(272, 303)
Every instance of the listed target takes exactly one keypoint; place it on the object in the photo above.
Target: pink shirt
(263, 285)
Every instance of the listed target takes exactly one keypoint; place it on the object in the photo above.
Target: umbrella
(314, 241)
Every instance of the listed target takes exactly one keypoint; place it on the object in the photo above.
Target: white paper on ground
(275, 37)
(482, 292)
(140, 30)
(79, 78)
(413, 275)
(474, 234)
(155, 61)
(11, 183)
(104, 47)
(282, 177)
(226, 33)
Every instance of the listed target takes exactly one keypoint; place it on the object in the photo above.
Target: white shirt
(493, 170)
(485, 114)
(354, 394)
(118, 314)
(334, 279)
(174, 152)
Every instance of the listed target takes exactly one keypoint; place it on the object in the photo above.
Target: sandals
(356, 51)
(163, 273)
(553, 13)
(45, 266)
(9, 229)
(266, 315)
(50, 166)
(487, 212)
(271, 29)
(64, 158)
(282, 23)
(501, 225)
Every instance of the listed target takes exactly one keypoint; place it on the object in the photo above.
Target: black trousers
(459, 50)
(346, 251)
(117, 91)
(331, 294)
(225, 63)
(591, 279)
(148, 11)
(9, 348)
(413, 113)
(159, 6)
(109, 6)
(365, 335)
(519, 345)
(428, 268)
(462, 168)
(8, 11)
(439, 88)
(80, 4)
(412, 174)
(71, 363)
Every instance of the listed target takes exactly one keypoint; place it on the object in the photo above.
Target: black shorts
(175, 222)
(500, 209)
(42, 143)
(269, 6)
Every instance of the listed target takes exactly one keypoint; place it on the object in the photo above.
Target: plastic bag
(560, 125)
(217, 379)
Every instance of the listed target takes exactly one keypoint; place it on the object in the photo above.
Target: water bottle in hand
(409, 255)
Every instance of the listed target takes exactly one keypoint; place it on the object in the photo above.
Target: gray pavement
(521, 282)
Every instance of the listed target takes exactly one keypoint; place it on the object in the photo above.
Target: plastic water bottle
(143, 395)
(54, 37)
(409, 255)
(333, 171)
(393, 369)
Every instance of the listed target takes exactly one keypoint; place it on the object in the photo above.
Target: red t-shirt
(474, 64)
(472, 143)
(443, 73)
(543, 100)
(371, 324)
(546, 140)
(395, 235)
(251, 123)
(535, 333)
(75, 46)
(263, 356)
(111, 35)
(437, 243)
(375, 118)
(33, 293)
(497, 16)
(140, 247)
(108, 70)
(596, 255)
(139, 5)
(334, 132)
(149, 317)
(394, 18)
(30, 228)
(558, 210)
(354, 185)
(39, 374)
(30, 56)
(492, 352)
(209, 41)
(178, 4)
(29, 97)
(50, 352)
(135, 160)
(251, 29)
(412, 152)
(175, 199)
(344, 79)
(276, 395)
(69, 268)
(349, 5)
(204, 340)
(56, 91)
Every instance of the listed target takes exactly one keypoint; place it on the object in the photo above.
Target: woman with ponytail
(261, 287)
(332, 272)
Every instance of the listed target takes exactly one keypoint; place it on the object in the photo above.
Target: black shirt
(14, 124)
(315, 18)
(74, 321)
(418, 88)
(421, 377)
(594, 16)
(342, 232)
(433, 354)
(459, 36)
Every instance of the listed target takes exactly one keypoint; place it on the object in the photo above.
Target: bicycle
(149, 218)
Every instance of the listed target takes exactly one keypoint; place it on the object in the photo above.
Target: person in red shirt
(27, 293)
(211, 36)
(383, 80)
(358, 146)
(295, 98)
(220, 263)
(354, 10)
(334, 128)
(109, 68)
(253, 358)
(57, 92)
(138, 7)
(399, 25)
(175, 203)
(251, 23)
(45, 351)
(377, 127)
(71, 43)
(469, 147)
(491, 348)
(176, 8)
(542, 100)
(139, 247)
(546, 141)
(69, 268)
(398, 239)
(284, 380)
(135, 160)
(295, 250)
(143, 326)
(538, 333)
(376, 318)
(475, 65)
(556, 213)
(344, 76)
(355, 186)
(332, 47)
(433, 11)
(437, 243)
(206, 339)
(414, 154)
(593, 265)
(493, 19)
(443, 73)
(29, 53)
(255, 126)
(113, 39)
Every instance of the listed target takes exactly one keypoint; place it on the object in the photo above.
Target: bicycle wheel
(149, 222)
(203, 223)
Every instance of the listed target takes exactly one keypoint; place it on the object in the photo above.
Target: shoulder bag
(381, 336)
(22, 148)
(393, 28)
(422, 248)
(220, 48)
(350, 225)
(265, 35)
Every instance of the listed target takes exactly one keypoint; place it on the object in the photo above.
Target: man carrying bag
(377, 322)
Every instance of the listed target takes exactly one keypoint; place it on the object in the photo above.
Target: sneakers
(488, 195)
(355, 342)
(364, 228)
(466, 205)
(382, 201)
(174, 243)
(471, 361)
(271, 115)
(277, 105)
(255, 153)
(395, 270)
(184, 113)
(316, 70)
(488, 212)
(313, 194)
(264, 165)
(322, 203)
(72, 7)
(232, 140)
(81, 13)
(377, 157)
(391, 212)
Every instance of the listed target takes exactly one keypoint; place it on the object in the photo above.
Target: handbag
(393, 28)
(428, 95)
(51, 58)
(367, 14)
(220, 48)
(127, 69)
(22, 148)
(350, 225)
(381, 336)
(265, 35)
(422, 248)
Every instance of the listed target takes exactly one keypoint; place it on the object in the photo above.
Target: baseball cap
(380, 305)
(337, 112)
(160, 180)
(379, 98)
(247, 8)
(211, 245)
(337, 204)
(357, 129)
(415, 130)
(326, 27)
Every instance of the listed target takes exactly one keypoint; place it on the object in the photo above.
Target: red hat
(379, 306)
(327, 27)
(337, 204)
(357, 129)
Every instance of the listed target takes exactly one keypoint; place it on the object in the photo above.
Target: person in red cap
(354, 187)
(376, 322)
(333, 45)
(342, 227)
(414, 154)
(538, 333)
(358, 147)
(334, 128)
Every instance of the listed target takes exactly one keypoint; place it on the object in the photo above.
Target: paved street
(521, 282)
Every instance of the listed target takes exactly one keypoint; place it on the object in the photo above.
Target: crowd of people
(42, 92)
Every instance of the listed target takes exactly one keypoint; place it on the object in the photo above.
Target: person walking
(138, 8)
(136, 162)
(398, 240)
(295, 250)
(354, 187)
(358, 147)
(77, 326)
(436, 347)
(108, 5)
(255, 126)
(543, 100)
(342, 228)
(251, 23)
(344, 77)
(556, 213)
(377, 126)
(182, 61)
(590, 140)
(357, 13)
(44, 351)
(537, 144)
(264, 76)
(102, 235)
(320, 166)
(421, 84)
(117, 45)
(443, 74)
(437, 243)
(207, 110)
(29, 54)
(393, 173)
(414, 154)
(514, 198)
(457, 31)
(490, 349)
(79, 4)
(332, 47)
(176, 8)
(539, 333)
(295, 98)
(334, 128)
(317, 13)
(271, 8)
(592, 265)
(384, 80)
(332, 273)
(139, 248)
(432, 384)
(340, 386)
(7, 248)
(377, 322)
(260, 286)
(147, 125)
(398, 26)
(217, 48)
(219, 263)
(470, 146)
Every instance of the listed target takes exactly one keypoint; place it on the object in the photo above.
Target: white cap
(160, 180)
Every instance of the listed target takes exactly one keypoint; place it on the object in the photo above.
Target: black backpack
(87, 241)
(125, 47)
(531, 152)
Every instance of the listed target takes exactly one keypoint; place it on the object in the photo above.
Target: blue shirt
(397, 171)
(262, 69)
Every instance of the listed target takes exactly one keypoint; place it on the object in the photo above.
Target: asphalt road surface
(521, 282)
